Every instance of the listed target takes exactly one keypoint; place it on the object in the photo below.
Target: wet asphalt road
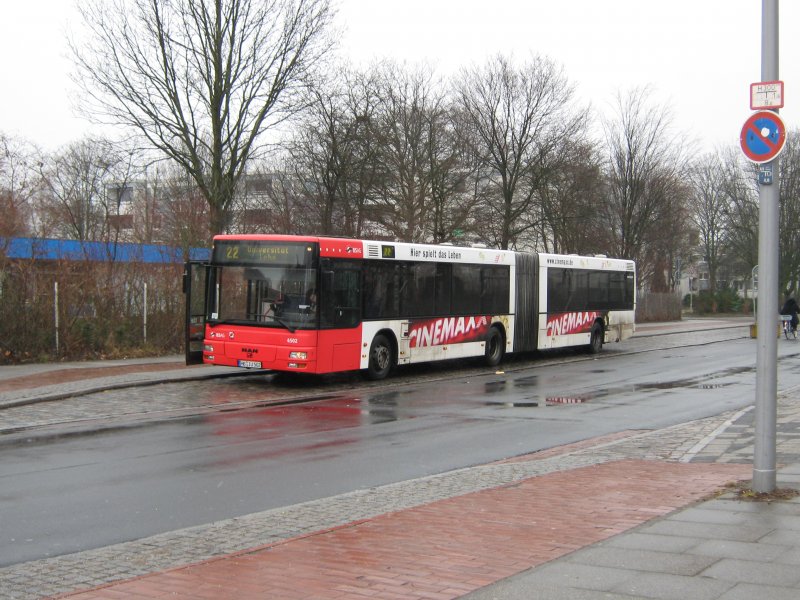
(66, 489)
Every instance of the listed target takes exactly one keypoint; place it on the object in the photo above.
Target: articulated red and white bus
(321, 305)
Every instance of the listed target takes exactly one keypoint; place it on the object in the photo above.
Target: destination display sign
(247, 252)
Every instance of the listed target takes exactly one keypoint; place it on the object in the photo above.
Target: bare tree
(411, 103)
(18, 183)
(518, 119)
(74, 201)
(670, 239)
(453, 167)
(270, 199)
(709, 211)
(742, 213)
(334, 152)
(322, 150)
(568, 204)
(740, 179)
(789, 234)
(182, 210)
(643, 174)
(201, 80)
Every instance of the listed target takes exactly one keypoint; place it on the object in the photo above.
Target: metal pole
(755, 292)
(144, 314)
(55, 311)
(766, 364)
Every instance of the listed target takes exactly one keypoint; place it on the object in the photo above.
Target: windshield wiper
(280, 322)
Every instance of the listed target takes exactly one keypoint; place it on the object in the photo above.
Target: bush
(722, 301)
(728, 301)
(704, 303)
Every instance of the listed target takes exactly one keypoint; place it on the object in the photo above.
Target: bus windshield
(271, 296)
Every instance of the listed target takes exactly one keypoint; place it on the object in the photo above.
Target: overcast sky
(699, 56)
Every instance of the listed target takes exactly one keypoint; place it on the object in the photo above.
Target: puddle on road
(493, 387)
(713, 386)
(705, 382)
(525, 382)
(549, 401)
(561, 400)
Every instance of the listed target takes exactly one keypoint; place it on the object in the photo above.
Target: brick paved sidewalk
(447, 548)
(55, 375)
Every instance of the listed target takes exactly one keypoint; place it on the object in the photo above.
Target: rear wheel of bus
(495, 345)
(381, 358)
(596, 339)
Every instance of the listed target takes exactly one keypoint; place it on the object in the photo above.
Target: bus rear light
(208, 348)
(300, 355)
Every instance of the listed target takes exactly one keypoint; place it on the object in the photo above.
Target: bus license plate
(249, 364)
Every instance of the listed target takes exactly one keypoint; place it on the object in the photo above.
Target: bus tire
(381, 358)
(596, 339)
(495, 347)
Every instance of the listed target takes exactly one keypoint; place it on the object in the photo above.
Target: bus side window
(419, 292)
(579, 290)
(340, 297)
(466, 294)
(556, 290)
(494, 290)
(381, 285)
(616, 291)
(443, 286)
(630, 291)
(598, 290)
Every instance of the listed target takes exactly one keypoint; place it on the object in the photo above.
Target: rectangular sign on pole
(765, 174)
(766, 94)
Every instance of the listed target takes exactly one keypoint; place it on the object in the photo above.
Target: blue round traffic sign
(763, 136)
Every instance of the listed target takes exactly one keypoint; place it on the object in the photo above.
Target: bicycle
(787, 327)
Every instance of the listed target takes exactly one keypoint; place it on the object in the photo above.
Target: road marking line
(698, 447)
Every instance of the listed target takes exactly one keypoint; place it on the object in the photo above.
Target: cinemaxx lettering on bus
(323, 305)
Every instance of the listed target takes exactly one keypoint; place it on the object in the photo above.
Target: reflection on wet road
(246, 411)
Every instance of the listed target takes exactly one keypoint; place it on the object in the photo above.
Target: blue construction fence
(27, 248)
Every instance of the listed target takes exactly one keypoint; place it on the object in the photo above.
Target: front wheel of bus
(596, 339)
(494, 347)
(381, 358)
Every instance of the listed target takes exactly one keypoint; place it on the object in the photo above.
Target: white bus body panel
(439, 342)
(438, 331)
(574, 329)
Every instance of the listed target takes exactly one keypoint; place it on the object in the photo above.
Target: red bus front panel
(261, 348)
(325, 351)
(339, 350)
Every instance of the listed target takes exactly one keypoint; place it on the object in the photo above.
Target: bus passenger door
(195, 276)
(403, 351)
